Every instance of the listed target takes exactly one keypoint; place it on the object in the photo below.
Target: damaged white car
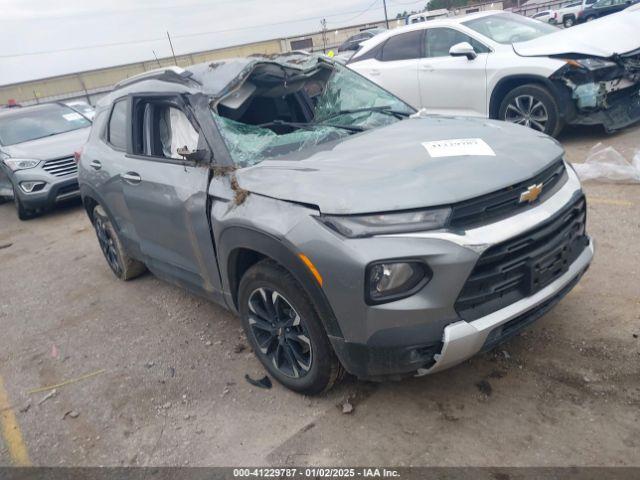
(505, 66)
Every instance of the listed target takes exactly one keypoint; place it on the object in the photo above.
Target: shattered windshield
(327, 105)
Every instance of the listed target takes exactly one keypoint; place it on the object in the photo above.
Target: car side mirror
(196, 156)
(463, 49)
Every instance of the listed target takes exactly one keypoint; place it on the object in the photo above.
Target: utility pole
(386, 17)
(323, 24)
(154, 54)
(172, 52)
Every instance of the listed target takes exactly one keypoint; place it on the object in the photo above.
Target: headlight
(393, 280)
(20, 163)
(354, 226)
(591, 64)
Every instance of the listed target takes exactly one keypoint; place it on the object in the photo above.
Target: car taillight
(76, 155)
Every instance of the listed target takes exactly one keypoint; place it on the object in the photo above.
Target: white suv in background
(509, 67)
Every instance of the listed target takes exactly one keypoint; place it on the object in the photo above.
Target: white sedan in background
(509, 67)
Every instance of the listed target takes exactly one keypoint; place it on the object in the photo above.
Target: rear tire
(532, 106)
(285, 331)
(590, 18)
(122, 265)
(23, 212)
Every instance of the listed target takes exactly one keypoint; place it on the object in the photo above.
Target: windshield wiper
(381, 109)
(310, 126)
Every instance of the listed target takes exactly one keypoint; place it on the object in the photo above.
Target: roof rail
(168, 74)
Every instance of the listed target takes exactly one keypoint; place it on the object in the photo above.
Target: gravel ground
(170, 386)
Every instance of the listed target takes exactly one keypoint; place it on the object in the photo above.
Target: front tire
(23, 212)
(122, 265)
(569, 22)
(285, 330)
(532, 106)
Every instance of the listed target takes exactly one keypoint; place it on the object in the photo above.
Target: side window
(440, 40)
(162, 130)
(117, 131)
(402, 47)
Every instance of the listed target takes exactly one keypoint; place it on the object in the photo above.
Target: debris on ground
(264, 382)
(149, 364)
(208, 343)
(635, 335)
(347, 407)
(54, 352)
(71, 413)
(606, 164)
(5, 245)
(26, 407)
(66, 382)
(239, 348)
(49, 395)
(485, 387)
(506, 355)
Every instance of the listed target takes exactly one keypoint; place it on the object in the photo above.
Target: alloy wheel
(528, 111)
(280, 333)
(107, 245)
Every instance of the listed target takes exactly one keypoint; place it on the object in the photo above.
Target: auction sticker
(457, 147)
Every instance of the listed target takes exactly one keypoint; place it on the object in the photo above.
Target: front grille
(68, 189)
(506, 202)
(523, 265)
(61, 166)
(515, 325)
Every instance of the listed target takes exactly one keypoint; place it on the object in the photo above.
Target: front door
(453, 85)
(166, 195)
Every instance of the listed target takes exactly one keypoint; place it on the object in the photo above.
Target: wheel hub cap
(279, 332)
(528, 111)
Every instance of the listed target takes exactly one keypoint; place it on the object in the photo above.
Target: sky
(43, 38)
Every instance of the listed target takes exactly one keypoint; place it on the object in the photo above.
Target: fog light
(30, 187)
(388, 281)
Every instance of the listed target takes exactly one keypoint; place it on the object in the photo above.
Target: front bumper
(56, 189)
(462, 340)
(424, 333)
(622, 110)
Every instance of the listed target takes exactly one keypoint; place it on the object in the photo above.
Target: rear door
(394, 66)
(166, 195)
(453, 85)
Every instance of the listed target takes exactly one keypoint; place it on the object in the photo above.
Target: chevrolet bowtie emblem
(532, 193)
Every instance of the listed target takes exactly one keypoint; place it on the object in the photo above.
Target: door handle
(95, 164)
(426, 68)
(374, 73)
(131, 177)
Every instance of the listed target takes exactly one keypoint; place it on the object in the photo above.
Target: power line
(190, 35)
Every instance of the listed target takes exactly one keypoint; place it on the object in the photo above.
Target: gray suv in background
(347, 231)
(37, 164)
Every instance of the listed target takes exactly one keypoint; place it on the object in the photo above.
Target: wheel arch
(240, 248)
(506, 84)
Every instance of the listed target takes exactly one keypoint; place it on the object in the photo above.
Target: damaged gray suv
(349, 232)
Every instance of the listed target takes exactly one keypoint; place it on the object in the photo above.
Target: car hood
(56, 146)
(617, 33)
(390, 169)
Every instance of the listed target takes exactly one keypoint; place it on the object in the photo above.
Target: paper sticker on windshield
(457, 147)
(70, 117)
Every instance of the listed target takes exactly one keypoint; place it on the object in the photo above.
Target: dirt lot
(566, 392)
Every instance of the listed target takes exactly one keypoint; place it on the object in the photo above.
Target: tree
(448, 4)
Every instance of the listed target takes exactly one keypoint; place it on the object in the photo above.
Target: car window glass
(117, 125)
(32, 123)
(402, 47)
(509, 28)
(440, 40)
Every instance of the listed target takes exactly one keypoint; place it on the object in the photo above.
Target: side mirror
(196, 156)
(463, 49)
